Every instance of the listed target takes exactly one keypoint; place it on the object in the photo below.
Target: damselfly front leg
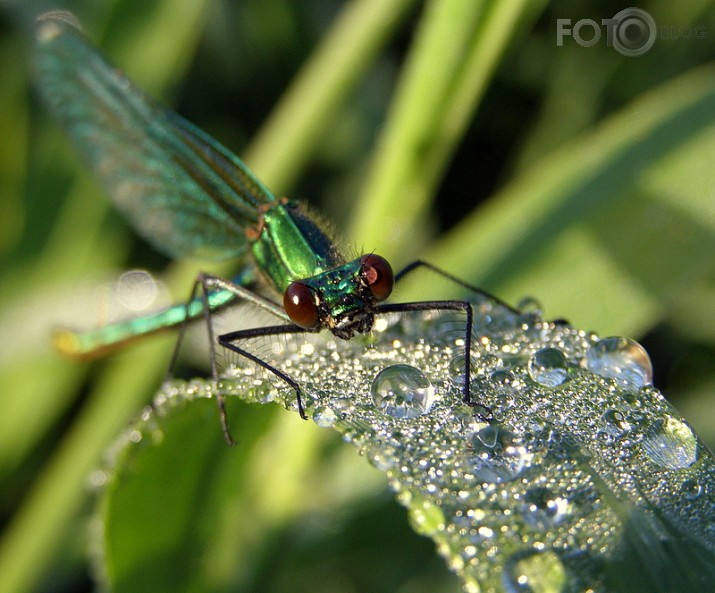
(455, 305)
(230, 340)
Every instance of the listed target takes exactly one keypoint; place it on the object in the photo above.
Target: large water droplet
(498, 455)
(325, 417)
(535, 572)
(402, 391)
(670, 443)
(621, 359)
(548, 367)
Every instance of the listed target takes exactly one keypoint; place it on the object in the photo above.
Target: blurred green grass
(574, 175)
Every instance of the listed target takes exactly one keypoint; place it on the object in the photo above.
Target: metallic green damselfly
(190, 196)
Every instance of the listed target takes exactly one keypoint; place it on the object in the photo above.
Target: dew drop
(617, 419)
(502, 377)
(466, 422)
(343, 405)
(380, 324)
(426, 518)
(384, 460)
(402, 391)
(615, 424)
(456, 369)
(670, 443)
(307, 349)
(548, 367)
(621, 359)
(691, 489)
(471, 585)
(498, 455)
(530, 305)
(535, 571)
(265, 393)
(325, 417)
(544, 510)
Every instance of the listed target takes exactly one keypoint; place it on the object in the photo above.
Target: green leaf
(586, 478)
(454, 53)
(626, 208)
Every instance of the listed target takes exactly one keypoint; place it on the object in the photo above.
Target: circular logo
(634, 32)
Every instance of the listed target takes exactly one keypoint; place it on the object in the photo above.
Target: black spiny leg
(455, 305)
(229, 341)
(423, 264)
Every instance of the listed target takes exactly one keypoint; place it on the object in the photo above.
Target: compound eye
(378, 275)
(300, 304)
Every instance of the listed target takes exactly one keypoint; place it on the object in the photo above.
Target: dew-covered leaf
(584, 478)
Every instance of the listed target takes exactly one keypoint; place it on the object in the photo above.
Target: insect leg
(229, 341)
(450, 305)
(455, 305)
(213, 293)
(423, 264)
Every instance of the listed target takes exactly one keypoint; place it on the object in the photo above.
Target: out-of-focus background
(572, 174)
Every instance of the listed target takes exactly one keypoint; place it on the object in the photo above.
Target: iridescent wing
(181, 189)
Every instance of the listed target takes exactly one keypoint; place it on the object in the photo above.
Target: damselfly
(190, 196)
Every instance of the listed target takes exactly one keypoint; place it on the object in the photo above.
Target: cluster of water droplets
(571, 474)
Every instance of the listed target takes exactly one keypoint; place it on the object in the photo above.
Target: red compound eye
(299, 303)
(378, 275)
